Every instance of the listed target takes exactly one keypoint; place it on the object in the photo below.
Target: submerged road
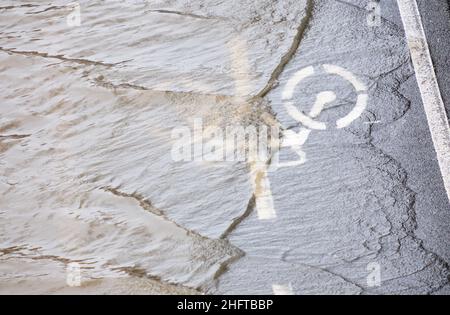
(353, 202)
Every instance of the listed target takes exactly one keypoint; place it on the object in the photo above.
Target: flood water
(91, 92)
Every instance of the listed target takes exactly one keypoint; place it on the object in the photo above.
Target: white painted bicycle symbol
(309, 122)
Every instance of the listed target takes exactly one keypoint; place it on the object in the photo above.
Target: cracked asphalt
(87, 174)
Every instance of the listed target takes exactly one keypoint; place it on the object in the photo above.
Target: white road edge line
(428, 85)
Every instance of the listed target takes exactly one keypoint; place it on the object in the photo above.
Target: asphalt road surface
(95, 199)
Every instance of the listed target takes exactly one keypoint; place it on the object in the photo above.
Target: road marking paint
(296, 140)
(279, 289)
(347, 75)
(240, 66)
(263, 193)
(288, 91)
(362, 99)
(324, 97)
(258, 170)
(360, 107)
(292, 138)
(303, 119)
(428, 85)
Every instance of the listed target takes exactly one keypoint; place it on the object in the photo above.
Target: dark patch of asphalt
(436, 20)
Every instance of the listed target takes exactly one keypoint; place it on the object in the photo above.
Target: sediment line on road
(147, 206)
(14, 137)
(250, 207)
(301, 31)
(186, 14)
(59, 57)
